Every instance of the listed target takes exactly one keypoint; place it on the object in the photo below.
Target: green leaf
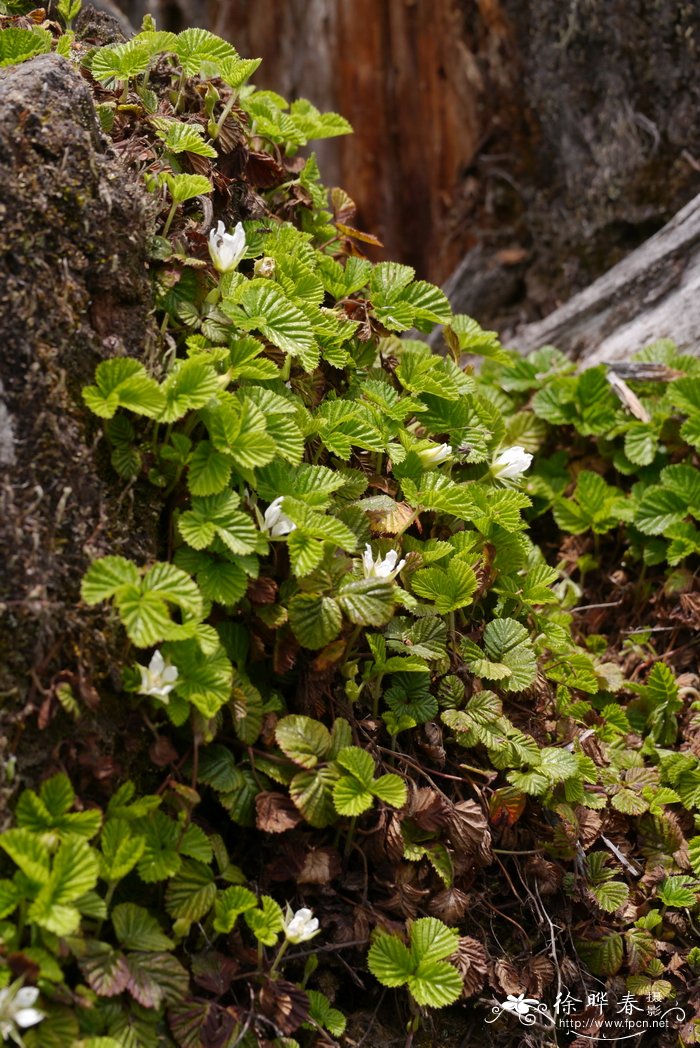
(367, 602)
(390, 961)
(74, 872)
(29, 853)
(197, 46)
(269, 311)
(185, 187)
(351, 797)
(316, 621)
(17, 45)
(265, 923)
(209, 470)
(658, 509)
(678, 892)
(304, 740)
(217, 516)
(137, 929)
(106, 576)
(204, 679)
(359, 763)
(191, 893)
(230, 904)
(601, 956)
(321, 1012)
(557, 764)
(189, 386)
(121, 850)
(431, 940)
(451, 588)
(610, 895)
(391, 789)
(312, 793)
(123, 383)
(182, 138)
(435, 984)
(117, 63)
(160, 858)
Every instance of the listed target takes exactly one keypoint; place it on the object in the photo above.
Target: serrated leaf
(391, 789)
(610, 895)
(137, 929)
(179, 137)
(17, 45)
(351, 797)
(389, 961)
(197, 46)
(156, 979)
(186, 187)
(107, 575)
(312, 793)
(230, 904)
(74, 872)
(209, 470)
(658, 509)
(367, 602)
(123, 383)
(191, 893)
(304, 740)
(189, 386)
(266, 922)
(435, 984)
(316, 621)
(450, 588)
(121, 850)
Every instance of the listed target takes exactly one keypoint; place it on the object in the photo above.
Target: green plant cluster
(356, 585)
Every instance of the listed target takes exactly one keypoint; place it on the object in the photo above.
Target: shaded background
(529, 144)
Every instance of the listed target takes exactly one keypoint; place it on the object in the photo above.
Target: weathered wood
(653, 293)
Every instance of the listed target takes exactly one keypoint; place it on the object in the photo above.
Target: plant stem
(280, 954)
(349, 838)
(169, 219)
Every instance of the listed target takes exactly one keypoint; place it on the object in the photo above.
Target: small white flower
(521, 1004)
(158, 678)
(301, 926)
(227, 249)
(381, 568)
(435, 455)
(511, 463)
(277, 522)
(17, 1010)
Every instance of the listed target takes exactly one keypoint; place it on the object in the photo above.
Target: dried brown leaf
(284, 1004)
(321, 866)
(471, 960)
(275, 812)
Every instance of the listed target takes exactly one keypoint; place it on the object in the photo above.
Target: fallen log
(654, 293)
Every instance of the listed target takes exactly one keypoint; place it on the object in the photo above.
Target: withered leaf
(284, 1004)
(321, 866)
(449, 905)
(275, 812)
(471, 961)
(213, 971)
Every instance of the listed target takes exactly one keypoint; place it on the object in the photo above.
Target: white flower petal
(26, 996)
(28, 1017)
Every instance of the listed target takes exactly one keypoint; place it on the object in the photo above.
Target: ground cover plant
(410, 692)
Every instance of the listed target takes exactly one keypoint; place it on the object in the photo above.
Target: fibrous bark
(74, 232)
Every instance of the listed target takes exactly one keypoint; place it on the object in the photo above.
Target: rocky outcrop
(74, 233)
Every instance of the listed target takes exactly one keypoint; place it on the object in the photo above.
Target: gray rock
(74, 289)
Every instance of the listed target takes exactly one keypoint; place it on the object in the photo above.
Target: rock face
(74, 229)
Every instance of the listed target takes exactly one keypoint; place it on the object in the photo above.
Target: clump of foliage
(365, 654)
